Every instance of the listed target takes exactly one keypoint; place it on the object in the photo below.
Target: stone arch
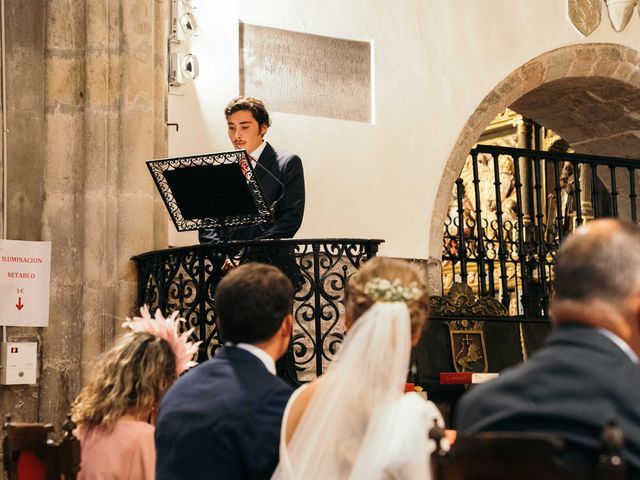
(602, 65)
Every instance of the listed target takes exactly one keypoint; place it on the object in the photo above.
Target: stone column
(523, 126)
(586, 190)
(142, 134)
(62, 209)
(125, 125)
(433, 269)
(25, 159)
(105, 114)
(25, 108)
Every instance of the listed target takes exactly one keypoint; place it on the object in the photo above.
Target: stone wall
(87, 107)
(25, 149)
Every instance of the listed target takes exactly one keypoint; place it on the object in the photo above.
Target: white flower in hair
(383, 290)
(167, 329)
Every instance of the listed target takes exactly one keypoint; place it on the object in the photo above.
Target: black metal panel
(506, 339)
(210, 191)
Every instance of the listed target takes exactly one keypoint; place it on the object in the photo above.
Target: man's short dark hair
(255, 106)
(604, 266)
(251, 302)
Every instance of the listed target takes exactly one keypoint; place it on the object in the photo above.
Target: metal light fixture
(190, 66)
(181, 65)
(175, 70)
(189, 25)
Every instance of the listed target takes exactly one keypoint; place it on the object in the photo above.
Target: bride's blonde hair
(353, 406)
(394, 280)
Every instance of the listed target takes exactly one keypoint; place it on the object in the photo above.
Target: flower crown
(383, 290)
(167, 329)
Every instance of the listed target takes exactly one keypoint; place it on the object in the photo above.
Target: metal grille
(186, 279)
(505, 225)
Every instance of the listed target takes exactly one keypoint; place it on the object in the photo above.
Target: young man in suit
(222, 419)
(587, 373)
(279, 174)
(281, 179)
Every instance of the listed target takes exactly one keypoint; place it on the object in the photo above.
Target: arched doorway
(588, 94)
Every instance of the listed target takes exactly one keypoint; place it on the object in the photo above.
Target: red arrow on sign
(19, 305)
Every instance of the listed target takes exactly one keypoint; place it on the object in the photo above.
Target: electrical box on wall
(19, 361)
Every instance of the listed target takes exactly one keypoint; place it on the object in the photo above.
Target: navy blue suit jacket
(577, 382)
(289, 210)
(221, 420)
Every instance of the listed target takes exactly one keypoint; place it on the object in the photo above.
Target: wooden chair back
(525, 456)
(30, 454)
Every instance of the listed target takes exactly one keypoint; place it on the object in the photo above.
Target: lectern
(216, 190)
(220, 190)
(185, 278)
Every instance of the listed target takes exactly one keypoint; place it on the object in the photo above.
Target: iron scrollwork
(160, 169)
(513, 207)
(186, 279)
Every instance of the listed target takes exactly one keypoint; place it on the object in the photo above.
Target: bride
(355, 421)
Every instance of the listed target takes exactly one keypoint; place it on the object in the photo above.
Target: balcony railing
(186, 279)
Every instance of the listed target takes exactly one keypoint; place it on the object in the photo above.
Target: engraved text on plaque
(306, 74)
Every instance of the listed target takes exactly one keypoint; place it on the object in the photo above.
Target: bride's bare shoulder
(298, 406)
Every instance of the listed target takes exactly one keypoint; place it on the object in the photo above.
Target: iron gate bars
(186, 279)
(513, 208)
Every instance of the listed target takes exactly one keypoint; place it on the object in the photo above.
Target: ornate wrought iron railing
(186, 279)
(510, 215)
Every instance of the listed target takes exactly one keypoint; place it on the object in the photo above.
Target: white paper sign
(25, 273)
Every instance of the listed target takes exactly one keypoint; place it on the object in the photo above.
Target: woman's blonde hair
(128, 379)
(407, 277)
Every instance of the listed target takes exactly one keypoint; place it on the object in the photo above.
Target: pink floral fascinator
(167, 329)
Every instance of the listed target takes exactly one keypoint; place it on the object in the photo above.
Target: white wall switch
(19, 363)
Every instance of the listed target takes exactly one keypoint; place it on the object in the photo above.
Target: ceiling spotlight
(189, 25)
(190, 66)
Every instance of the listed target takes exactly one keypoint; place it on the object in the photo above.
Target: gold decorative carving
(461, 301)
(585, 15)
(523, 344)
(468, 347)
(620, 12)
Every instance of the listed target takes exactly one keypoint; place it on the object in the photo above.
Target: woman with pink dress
(116, 409)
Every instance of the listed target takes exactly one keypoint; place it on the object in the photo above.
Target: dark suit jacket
(289, 210)
(571, 387)
(221, 420)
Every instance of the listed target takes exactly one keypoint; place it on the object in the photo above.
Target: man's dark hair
(603, 264)
(255, 106)
(251, 302)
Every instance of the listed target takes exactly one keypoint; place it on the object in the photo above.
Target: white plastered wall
(434, 62)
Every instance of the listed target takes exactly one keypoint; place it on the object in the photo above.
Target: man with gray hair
(587, 372)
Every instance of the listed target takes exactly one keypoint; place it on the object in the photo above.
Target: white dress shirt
(255, 155)
(624, 346)
(263, 356)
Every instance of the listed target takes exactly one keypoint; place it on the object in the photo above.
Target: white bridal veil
(347, 428)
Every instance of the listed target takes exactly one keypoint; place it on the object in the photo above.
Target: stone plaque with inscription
(306, 74)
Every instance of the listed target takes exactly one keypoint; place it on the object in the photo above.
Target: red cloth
(244, 165)
(30, 467)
